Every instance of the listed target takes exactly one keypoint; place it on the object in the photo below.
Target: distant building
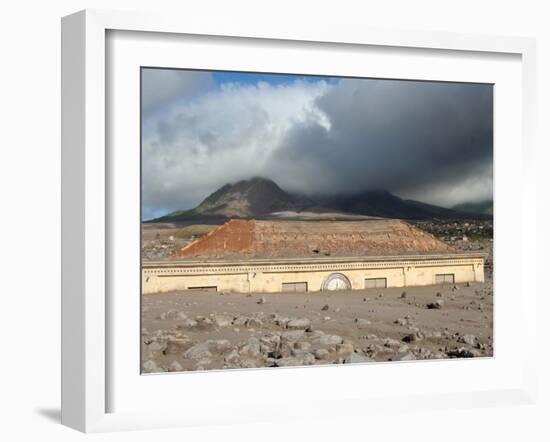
(282, 256)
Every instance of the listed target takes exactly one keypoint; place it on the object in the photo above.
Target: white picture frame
(87, 210)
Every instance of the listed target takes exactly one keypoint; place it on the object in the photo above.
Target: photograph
(292, 220)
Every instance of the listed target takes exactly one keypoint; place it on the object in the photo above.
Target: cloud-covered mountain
(262, 198)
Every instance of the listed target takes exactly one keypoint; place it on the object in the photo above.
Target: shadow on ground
(51, 414)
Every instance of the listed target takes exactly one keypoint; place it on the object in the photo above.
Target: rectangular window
(445, 278)
(294, 287)
(376, 283)
(210, 288)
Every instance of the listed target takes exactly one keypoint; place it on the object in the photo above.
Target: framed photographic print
(251, 210)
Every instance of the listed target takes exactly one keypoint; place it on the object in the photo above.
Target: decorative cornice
(335, 265)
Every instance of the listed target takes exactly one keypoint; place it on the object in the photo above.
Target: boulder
(463, 353)
(299, 324)
(240, 320)
(251, 348)
(198, 351)
(436, 304)
(177, 346)
(356, 358)
(269, 342)
(172, 314)
(330, 339)
(344, 348)
(175, 366)
(413, 337)
(222, 320)
(293, 335)
(155, 349)
(208, 348)
(468, 339)
(187, 323)
(150, 366)
(389, 342)
(302, 345)
(404, 356)
(281, 321)
(293, 361)
(321, 354)
(253, 322)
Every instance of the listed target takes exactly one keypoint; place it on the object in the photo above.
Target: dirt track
(204, 330)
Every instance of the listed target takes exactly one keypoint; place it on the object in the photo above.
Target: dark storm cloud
(423, 140)
(403, 136)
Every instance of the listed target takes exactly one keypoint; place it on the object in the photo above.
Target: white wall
(30, 221)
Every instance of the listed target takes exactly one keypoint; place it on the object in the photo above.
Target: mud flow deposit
(208, 330)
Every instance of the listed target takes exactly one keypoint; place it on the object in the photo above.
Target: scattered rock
(463, 353)
(198, 351)
(203, 323)
(253, 322)
(293, 361)
(187, 323)
(302, 345)
(356, 358)
(208, 348)
(468, 339)
(403, 295)
(251, 348)
(222, 320)
(401, 321)
(325, 307)
(345, 348)
(177, 346)
(299, 324)
(413, 337)
(389, 342)
(151, 367)
(262, 300)
(232, 357)
(438, 305)
(172, 315)
(404, 356)
(293, 335)
(281, 321)
(175, 366)
(330, 340)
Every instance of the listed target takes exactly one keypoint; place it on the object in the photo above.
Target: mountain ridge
(259, 197)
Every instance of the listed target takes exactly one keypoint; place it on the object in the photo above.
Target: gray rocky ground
(184, 331)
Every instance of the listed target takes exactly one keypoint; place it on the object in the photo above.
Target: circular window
(337, 281)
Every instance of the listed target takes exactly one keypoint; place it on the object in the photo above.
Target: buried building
(291, 256)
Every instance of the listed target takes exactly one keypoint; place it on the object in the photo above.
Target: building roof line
(316, 260)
